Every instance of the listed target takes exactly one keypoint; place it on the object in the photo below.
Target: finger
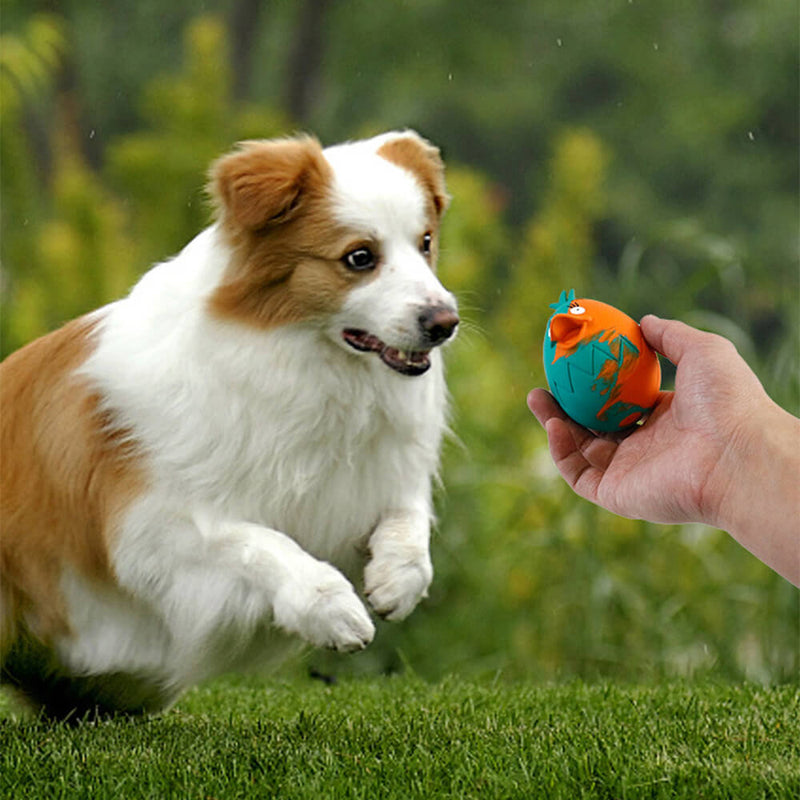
(597, 450)
(544, 406)
(672, 338)
(581, 457)
(577, 471)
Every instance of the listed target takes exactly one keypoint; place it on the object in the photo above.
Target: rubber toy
(600, 369)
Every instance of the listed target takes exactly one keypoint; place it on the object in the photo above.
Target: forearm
(759, 503)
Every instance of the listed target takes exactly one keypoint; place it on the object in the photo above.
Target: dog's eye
(360, 260)
(427, 243)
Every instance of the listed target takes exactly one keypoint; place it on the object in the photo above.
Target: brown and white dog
(182, 469)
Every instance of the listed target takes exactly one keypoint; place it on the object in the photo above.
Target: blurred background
(643, 152)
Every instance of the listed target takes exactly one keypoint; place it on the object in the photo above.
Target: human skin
(717, 450)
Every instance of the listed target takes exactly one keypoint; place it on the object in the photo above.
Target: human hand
(717, 450)
(673, 468)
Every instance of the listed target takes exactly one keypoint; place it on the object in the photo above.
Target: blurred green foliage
(645, 153)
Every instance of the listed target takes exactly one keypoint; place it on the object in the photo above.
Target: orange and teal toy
(600, 369)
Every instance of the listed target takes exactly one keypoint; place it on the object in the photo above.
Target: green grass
(402, 738)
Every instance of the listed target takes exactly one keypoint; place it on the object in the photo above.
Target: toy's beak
(567, 329)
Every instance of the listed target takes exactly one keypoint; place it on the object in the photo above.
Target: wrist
(751, 461)
(757, 499)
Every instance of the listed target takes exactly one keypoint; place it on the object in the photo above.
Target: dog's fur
(182, 469)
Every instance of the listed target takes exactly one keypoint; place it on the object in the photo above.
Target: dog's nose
(438, 323)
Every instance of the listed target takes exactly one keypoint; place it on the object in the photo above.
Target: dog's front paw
(326, 612)
(396, 580)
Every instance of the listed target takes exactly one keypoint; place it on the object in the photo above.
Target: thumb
(670, 337)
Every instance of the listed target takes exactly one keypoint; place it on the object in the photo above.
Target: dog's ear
(264, 182)
(410, 151)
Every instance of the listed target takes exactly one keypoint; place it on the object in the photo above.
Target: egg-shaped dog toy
(599, 367)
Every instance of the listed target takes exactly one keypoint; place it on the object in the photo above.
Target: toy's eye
(577, 309)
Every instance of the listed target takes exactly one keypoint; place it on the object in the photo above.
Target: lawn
(403, 738)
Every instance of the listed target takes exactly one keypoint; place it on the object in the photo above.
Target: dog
(197, 476)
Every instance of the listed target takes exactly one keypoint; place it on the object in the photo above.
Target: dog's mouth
(406, 362)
